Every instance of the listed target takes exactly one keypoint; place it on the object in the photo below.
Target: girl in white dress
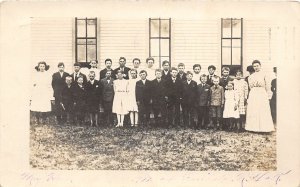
(241, 87)
(258, 117)
(231, 112)
(132, 106)
(120, 103)
(42, 92)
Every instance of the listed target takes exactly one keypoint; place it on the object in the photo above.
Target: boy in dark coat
(225, 77)
(174, 88)
(108, 63)
(107, 97)
(76, 74)
(143, 97)
(166, 73)
(67, 101)
(123, 68)
(211, 71)
(80, 96)
(93, 98)
(181, 74)
(203, 97)
(188, 100)
(158, 98)
(58, 83)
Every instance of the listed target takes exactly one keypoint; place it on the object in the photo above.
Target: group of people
(174, 97)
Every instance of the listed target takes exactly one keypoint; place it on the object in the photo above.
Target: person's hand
(138, 103)
(74, 103)
(245, 102)
(166, 98)
(222, 106)
(52, 102)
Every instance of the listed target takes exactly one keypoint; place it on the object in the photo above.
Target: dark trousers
(59, 112)
(108, 115)
(173, 110)
(203, 118)
(159, 109)
(144, 113)
(188, 112)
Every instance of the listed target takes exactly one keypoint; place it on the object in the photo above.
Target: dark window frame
(160, 38)
(231, 38)
(86, 38)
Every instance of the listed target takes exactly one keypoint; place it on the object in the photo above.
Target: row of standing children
(203, 99)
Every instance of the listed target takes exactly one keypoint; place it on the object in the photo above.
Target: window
(85, 40)
(232, 44)
(160, 40)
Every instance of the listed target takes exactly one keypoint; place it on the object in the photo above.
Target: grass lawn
(98, 148)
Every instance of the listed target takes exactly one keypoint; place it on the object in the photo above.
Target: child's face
(92, 76)
(158, 75)
(136, 64)
(225, 73)
(133, 74)
(174, 73)
(76, 68)
(211, 71)
(122, 62)
(108, 74)
(216, 82)
(239, 75)
(197, 70)
(189, 77)
(256, 67)
(80, 80)
(150, 63)
(120, 75)
(181, 69)
(61, 68)
(93, 64)
(166, 66)
(108, 64)
(203, 79)
(69, 81)
(42, 67)
(143, 75)
(230, 87)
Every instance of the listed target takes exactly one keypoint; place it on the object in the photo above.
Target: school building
(233, 42)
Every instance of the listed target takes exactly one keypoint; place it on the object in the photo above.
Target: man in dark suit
(188, 100)
(107, 97)
(166, 73)
(211, 71)
(77, 74)
(203, 97)
(181, 74)
(143, 97)
(108, 63)
(225, 77)
(158, 98)
(123, 68)
(58, 82)
(174, 88)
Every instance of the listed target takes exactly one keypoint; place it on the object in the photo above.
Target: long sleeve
(268, 86)
(222, 95)
(246, 90)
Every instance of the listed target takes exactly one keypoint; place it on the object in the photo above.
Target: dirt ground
(98, 148)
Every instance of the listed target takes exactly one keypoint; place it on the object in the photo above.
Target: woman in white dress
(132, 105)
(258, 117)
(120, 103)
(42, 92)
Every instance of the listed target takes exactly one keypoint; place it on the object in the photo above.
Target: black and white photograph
(187, 87)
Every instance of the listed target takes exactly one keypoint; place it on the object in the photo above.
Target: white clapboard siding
(196, 42)
(52, 41)
(127, 38)
(261, 42)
